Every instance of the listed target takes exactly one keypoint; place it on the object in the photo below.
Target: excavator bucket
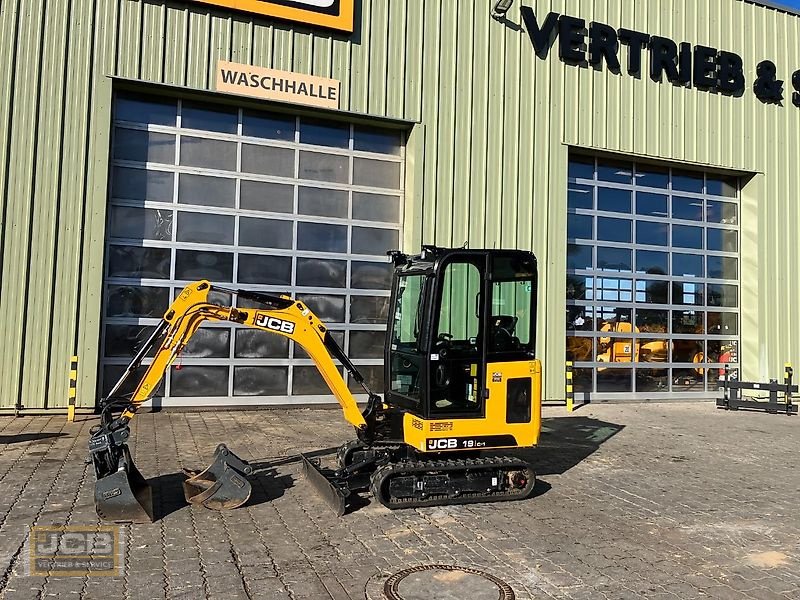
(332, 490)
(221, 486)
(124, 496)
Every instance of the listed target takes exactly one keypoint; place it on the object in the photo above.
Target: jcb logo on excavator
(274, 323)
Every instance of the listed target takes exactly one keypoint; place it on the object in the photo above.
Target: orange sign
(277, 85)
(332, 14)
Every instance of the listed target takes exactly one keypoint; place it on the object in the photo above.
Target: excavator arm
(119, 484)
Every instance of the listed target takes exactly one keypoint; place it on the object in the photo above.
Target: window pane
(140, 223)
(718, 185)
(652, 292)
(580, 227)
(209, 154)
(260, 381)
(721, 267)
(723, 295)
(723, 323)
(688, 380)
(651, 205)
(722, 212)
(265, 270)
(328, 308)
(653, 263)
(369, 309)
(722, 351)
(652, 380)
(685, 236)
(614, 259)
(613, 230)
(376, 173)
(371, 275)
(652, 234)
(136, 262)
(688, 293)
(367, 344)
(376, 207)
(145, 110)
(265, 233)
(613, 318)
(315, 272)
(253, 343)
(723, 239)
(266, 160)
(195, 380)
(136, 301)
(652, 321)
(687, 265)
(112, 373)
(322, 237)
(580, 196)
(322, 202)
(324, 167)
(144, 146)
(688, 321)
(580, 349)
(652, 351)
(654, 177)
(614, 200)
(687, 181)
(688, 351)
(338, 336)
(580, 287)
(615, 171)
(368, 240)
(689, 209)
(321, 133)
(580, 318)
(581, 167)
(579, 257)
(307, 380)
(198, 264)
(205, 228)
(382, 141)
(271, 197)
(373, 377)
(141, 184)
(126, 340)
(614, 290)
(206, 191)
(209, 118)
(270, 127)
(209, 342)
(615, 380)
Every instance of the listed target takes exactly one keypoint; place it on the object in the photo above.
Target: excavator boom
(121, 493)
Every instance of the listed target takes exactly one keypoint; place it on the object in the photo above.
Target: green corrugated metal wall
(486, 164)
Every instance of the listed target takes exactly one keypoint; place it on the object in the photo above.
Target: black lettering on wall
(635, 41)
(705, 67)
(730, 77)
(685, 64)
(767, 87)
(796, 86)
(663, 59)
(603, 44)
(541, 38)
(571, 38)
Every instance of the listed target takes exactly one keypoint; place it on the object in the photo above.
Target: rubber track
(506, 463)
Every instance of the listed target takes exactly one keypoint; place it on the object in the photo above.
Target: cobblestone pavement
(634, 501)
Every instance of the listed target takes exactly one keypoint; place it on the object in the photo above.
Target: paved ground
(635, 501)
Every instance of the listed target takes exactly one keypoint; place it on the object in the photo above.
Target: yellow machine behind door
(513, 416)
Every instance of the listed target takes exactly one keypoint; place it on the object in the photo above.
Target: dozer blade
(332, 491)
(124, 496)
(221, 486)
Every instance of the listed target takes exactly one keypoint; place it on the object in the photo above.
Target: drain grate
(471, 583)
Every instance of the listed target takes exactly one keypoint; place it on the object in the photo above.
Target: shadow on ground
(28, 437)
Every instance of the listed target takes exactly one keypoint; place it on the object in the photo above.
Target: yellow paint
(494, 422)
(343, 21)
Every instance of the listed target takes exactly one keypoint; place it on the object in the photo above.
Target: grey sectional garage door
(255, 200)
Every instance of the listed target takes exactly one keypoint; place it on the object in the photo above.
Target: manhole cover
(446, 582)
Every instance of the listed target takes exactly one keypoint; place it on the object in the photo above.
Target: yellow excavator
(461, 377)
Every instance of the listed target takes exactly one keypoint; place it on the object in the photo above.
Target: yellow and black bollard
(569, 387)
(73, 388)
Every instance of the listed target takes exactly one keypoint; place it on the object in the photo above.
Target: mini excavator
(461, 378)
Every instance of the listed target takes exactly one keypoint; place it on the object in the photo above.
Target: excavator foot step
(332, 490)
(223, 485)
(124, 496)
